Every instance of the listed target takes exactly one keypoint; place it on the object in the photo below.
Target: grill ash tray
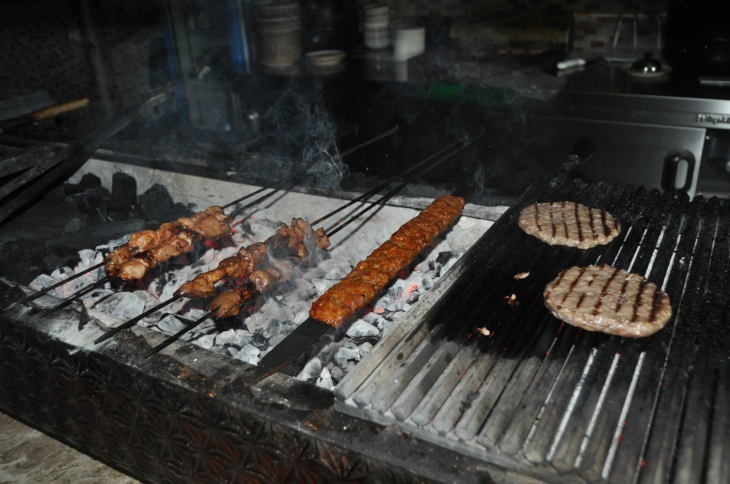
(546, 399)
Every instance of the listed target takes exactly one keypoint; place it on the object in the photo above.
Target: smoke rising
(304, 132)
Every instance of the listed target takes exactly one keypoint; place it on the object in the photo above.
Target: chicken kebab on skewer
(148, 248)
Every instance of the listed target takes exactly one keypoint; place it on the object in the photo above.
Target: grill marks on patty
(603, 298)
(570, 224)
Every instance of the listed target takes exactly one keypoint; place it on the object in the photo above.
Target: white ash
(262, 325)
(170, 324)
(249, 354)
(361, 329)
(226, 337)
(311, 371)
(129, 306)
(348, 351)
(325, 380)
(336, 373)
(365, 349)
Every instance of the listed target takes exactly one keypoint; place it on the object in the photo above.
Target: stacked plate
(376, 26)
(279, 33)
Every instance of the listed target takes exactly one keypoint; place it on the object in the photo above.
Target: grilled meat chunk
(249, 260)
(323, 242)
(603, 298)
(229, 303)
(142, 241)
(170, 240)
(361, 285)
(570, 224)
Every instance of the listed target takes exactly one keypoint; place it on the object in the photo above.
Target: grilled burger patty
(570, 224)
(610, 300)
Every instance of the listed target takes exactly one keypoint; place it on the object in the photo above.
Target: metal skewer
(76, 296)
(177, 335)
(387, 182)
(134, 320)
(46, 290)
(382, 200)
(390, 132)
(194, 324)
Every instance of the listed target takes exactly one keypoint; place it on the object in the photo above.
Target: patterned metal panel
(157, 431)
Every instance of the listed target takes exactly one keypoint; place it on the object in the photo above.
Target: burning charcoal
(259, 340)
(348, 351)
(242, 338)
(461, 240)
(124, 189)
(41, 282)
(300, 317)
(226, 337)
(311, 371)
(109, 304)
(361, 329)
(338, 271)
(336, 373)
(429, 279)
(90, 300)
(323, 284)
(396, 297)
(423, 280)
(371, 318)
(62, 273)
(276, 340)
(206, 341)
(249, 354)
(88, 259)
(305, 290)
(325, 380)
(273, 327)
(384, 325)
(169, 290)
(365, 348)
(156, 203)
(195, 314)
(148, 299)
(448, 266)
(170, 324)
(130, 306)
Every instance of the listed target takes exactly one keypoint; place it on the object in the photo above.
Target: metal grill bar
(556, 402)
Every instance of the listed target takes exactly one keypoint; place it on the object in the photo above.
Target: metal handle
(671, 168)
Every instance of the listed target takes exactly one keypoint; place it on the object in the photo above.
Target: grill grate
(553, 401)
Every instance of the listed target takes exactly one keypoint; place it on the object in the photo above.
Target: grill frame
(661, 434)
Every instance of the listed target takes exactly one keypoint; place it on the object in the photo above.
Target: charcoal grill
(549, 400)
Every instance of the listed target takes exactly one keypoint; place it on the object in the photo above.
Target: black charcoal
(124, 189)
